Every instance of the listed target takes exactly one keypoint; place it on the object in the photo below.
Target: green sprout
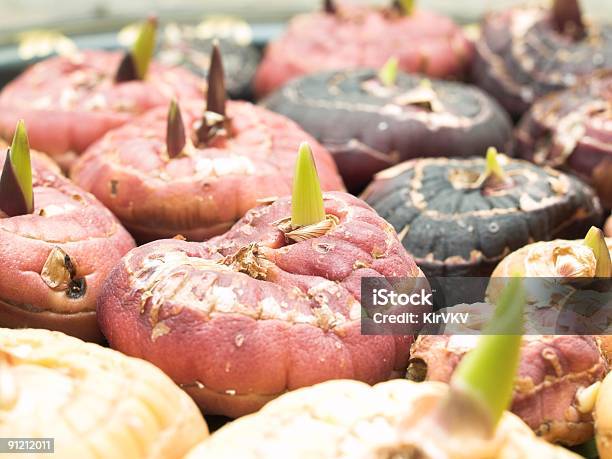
(485, 376)
(493, 166)
(135, 63)
(388, 73)
(307, 199)
(596, 241)
(404, 6)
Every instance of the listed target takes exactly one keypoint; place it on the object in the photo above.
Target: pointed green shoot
(425, 83)
(596, 241)
(307, 199)
(405, 7)
(486, 374)
(144, 46)
(135, 63)
(388, 73)
(175, 130)
(16, 193)
(567, 18)
(329, 6)
(493, 166)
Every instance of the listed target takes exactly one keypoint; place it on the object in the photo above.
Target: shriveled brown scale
(60, 274)
(267, 200)
(211, 126)
(306, 232)
(249, 260)
(58, 270)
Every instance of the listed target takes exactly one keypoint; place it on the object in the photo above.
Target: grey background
(17, 15)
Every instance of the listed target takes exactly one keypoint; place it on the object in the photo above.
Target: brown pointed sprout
(16, 191)
(567, 18)
(214, 117)
(329, 6)
(175, 130)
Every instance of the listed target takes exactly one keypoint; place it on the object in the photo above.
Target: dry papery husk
(249, 260)
(552, 259)
(303, 233)
(59, 273)
(58, 270)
